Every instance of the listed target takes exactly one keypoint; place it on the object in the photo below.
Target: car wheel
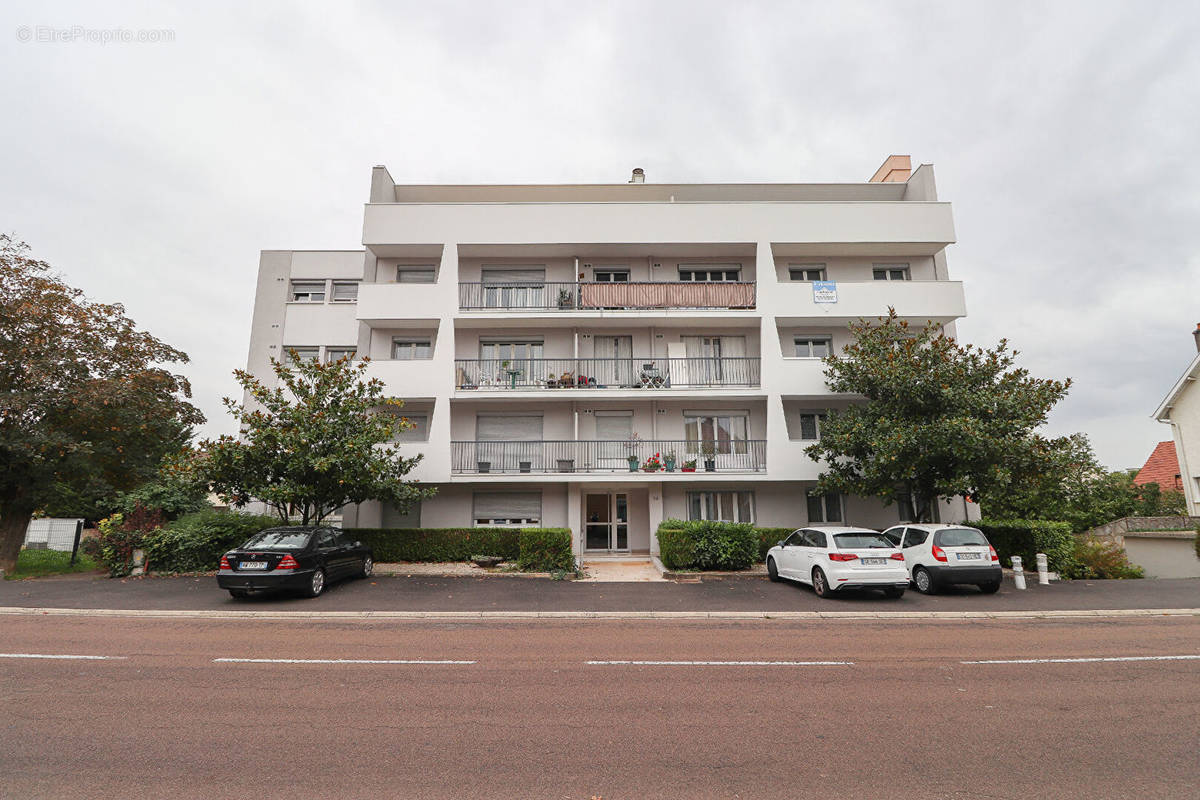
(990, 588)
(894, 592)
(923, 581)
(820, 583)
(317, 584)
(368, 567)
(772, 570)
(238, 594)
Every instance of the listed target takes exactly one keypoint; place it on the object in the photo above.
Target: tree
(86, 409)
(939, 419)
(320, 439)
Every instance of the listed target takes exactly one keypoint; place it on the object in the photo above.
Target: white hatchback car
(832, 559)
(938, 555)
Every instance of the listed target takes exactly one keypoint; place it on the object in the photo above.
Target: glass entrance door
(606, 525)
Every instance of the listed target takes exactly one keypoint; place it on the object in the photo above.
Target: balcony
(605, 296)
(939, 301)
(605, 373)
(508, 458)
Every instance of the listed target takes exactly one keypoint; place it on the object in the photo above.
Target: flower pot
(670, 465)
(710, 466)
(687, 469)
(633, 464)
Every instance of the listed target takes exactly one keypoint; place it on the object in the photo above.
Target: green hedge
(1028, 537)
(706, 544)
(440, 544)
(769, 537)
(546, 550)
(195, 542)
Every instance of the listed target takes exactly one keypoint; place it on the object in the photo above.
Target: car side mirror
(780, 543)
(358, 544)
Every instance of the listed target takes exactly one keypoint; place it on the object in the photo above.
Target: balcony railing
(605, 373)
(595, 296)
(485, 458)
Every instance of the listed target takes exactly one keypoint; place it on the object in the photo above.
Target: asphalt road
(526, 716)
(387, 593)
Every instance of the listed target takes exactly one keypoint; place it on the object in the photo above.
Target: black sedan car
(305, 559)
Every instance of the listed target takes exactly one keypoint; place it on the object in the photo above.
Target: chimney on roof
(894, 169)
(639, 175)
(1196, 336)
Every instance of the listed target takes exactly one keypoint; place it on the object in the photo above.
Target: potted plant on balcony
(631, 447)
(564, 298)
(688, 466)
(709, 449)
(653, 463)
(513, 374)
(669, 459)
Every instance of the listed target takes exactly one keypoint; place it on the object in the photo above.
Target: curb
(600, 615)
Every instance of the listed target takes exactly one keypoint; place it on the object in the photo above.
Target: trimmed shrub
(1028, 537)
(1100, 559)
(119, 535)
(714, 545)
(195, 542)
(546, 550)
(675, 548)
(439, 544)
(1196, 541)
(769, 537)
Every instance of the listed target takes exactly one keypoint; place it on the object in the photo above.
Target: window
(816, 539)
(523, 287)
(723, 506)
(416, 275)
(724, 433)
(824, 508)
(810, 425)
(813, 346)
(894, 535)
(611, 276)
(960, 537)
(795, 540)
(915, 536)
(303, 353)
(419, 430)
(806, 272)
(716, 272)
(404, 349)
(308, 292)
(333, 354)
(865, 540)
(890, 272)
(507, 508)
(345, 291)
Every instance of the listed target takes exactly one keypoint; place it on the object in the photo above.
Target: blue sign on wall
(824, 291)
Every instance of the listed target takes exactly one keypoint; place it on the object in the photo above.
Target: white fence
(53, 534)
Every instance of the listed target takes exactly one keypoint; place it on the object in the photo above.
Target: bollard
(1018, 572)
(1043, 569)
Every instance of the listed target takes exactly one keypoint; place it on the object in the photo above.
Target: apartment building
(601, 357)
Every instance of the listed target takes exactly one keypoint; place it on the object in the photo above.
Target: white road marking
(723, 663)
(336, 661)
(58, 656)
(1083, 660)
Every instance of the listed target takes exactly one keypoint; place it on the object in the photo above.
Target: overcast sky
(1067, 136)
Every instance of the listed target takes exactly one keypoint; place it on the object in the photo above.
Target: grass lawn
(32, 563)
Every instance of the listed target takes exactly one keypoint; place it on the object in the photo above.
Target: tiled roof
(1162, 467)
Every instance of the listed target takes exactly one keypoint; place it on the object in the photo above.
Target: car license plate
(252, 565)
(968, 556)
(874, 562)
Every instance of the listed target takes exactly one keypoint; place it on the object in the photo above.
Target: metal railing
(605, 373)
(730, 455)
(599, 295)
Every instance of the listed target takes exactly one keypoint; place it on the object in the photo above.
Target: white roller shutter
(508, 429)
(521, 275)
(508, 505)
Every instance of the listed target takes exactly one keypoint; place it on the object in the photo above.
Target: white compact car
(832, 559)
(939, 555)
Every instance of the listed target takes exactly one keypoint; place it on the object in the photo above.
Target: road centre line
(339, 661)
(722, 663)
(1091, 660)
(63, 657)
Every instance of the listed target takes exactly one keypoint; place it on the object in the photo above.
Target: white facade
(533, 330)
(1181, 410)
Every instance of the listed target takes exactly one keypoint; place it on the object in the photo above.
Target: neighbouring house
(601, 357)
(1162, 467)
(1181, 410)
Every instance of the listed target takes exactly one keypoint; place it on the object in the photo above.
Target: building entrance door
(606, 524)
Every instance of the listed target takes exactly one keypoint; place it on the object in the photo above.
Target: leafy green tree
(178, 487)
(86, 408)
(321, 438)
(939, 419)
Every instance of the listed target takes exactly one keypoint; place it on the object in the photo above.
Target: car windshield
(960, 537)
(277, 540)
(864, 540)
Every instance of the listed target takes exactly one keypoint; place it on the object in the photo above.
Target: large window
(345, 291)
(308, 292)
(507, 508)
(416, 274)
(806, 272)
(813, 346)
(419, 430)
(721, 433)
(514, 287)
(411, 349)
(825, 508)
(302, 353)
(723, 506)
(810, 424)
(890, 272)
(611, 275)
(333, 354)
(715, 272)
